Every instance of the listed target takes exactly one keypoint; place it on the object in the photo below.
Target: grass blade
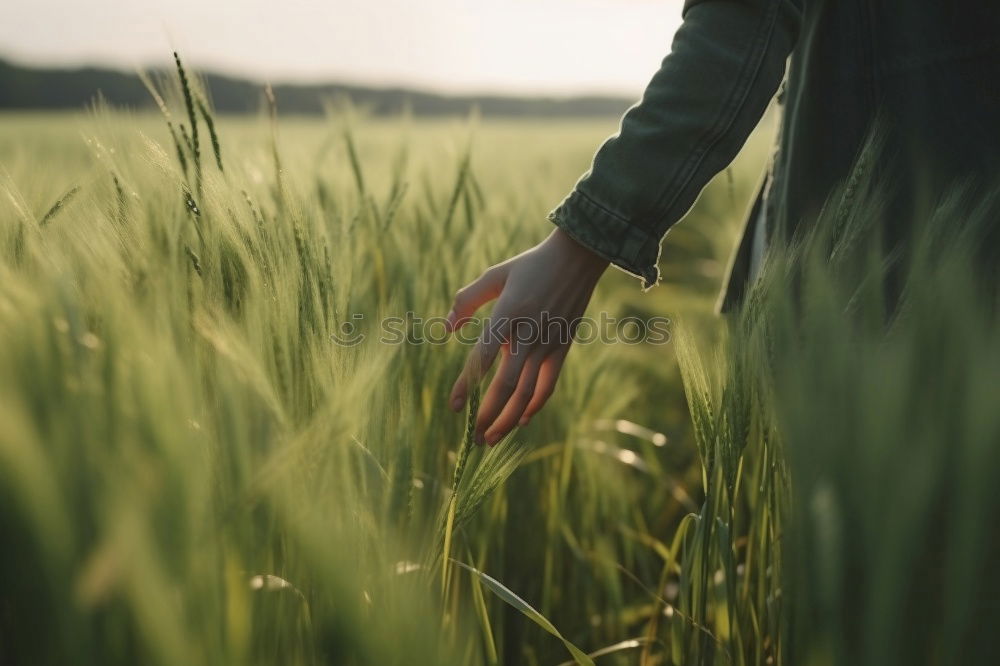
(520, 604)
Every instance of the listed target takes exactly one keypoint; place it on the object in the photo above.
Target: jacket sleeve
(726, 62)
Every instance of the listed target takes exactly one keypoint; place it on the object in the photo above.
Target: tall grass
(191, 471)
(845, 430)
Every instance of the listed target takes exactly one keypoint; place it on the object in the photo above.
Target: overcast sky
(519, 46)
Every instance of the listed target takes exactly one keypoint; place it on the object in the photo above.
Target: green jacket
(929, 68)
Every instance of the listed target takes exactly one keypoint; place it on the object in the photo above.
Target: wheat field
(194, 471)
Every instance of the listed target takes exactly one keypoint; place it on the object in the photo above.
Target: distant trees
(37, 88)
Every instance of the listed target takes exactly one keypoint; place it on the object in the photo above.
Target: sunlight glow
(522, 46)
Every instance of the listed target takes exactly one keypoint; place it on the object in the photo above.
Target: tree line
(26, 88)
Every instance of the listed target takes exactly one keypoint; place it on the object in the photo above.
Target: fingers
(473, 296)
(477, 364)
(548, 375)
(504, 384)
(516, 402)
(468, 299)
(527, 375)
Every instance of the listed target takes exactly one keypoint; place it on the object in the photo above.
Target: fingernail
(480, 439)
(456, 404)
(524, 421)
(492, 438)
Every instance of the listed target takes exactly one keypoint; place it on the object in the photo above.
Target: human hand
(540, 294)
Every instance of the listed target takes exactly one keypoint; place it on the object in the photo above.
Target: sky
(556, 47)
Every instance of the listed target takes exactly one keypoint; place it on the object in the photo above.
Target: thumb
(475, 295)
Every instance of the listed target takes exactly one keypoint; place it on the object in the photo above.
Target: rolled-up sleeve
(726, 63)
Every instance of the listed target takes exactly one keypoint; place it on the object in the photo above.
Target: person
(926, 70)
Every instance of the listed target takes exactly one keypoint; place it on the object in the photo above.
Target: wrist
(582, 255)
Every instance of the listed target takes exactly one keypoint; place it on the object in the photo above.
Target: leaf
(629, 644)
(520, 604)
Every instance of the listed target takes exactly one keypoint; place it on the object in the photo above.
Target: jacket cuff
(610, 236)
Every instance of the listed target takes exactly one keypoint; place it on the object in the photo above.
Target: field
(192, 470)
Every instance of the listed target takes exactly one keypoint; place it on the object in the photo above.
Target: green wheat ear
(463, 456)
(272, 112)
(469, 440)
(162, 106)
(188, 104)
(58, 206)
(192, 118)
(210, 123)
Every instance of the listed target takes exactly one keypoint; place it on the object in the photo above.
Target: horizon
(524, 48)
(168, 65)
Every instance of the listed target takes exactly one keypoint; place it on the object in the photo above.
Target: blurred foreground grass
(193, 472)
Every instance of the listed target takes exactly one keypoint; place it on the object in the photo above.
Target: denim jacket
(931, 68)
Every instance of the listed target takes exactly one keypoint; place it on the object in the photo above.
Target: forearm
(726, 63)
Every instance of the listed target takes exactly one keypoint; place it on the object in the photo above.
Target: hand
(557, 278)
